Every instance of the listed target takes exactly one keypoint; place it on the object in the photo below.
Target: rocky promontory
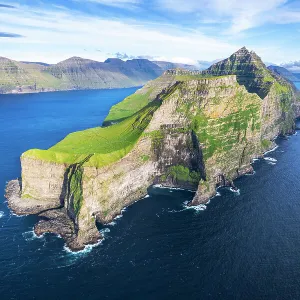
(192, 130)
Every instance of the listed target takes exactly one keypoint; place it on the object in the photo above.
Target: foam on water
(255, 159)
(236, 191)
(250, 174)
(270, 159)
(1, 214)
(197, 208)
(272, 150)
(160, 186)
(87, 249)
(30, 236)
(104, 231)
(113, 223)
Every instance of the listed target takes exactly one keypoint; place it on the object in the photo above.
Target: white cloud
(55, 35)
(117, 3)
(241, 15)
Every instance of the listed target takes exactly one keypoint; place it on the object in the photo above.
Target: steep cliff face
(194, 131)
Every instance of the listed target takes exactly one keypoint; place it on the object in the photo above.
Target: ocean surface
(240, 246)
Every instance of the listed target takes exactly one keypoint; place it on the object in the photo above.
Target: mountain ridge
(74, 73)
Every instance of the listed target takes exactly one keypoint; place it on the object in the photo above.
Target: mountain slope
(74, 73)
(17, 77)
(186, 130)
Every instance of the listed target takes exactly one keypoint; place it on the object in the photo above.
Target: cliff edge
(194, 130)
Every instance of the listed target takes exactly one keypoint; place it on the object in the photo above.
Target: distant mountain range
(165, 65)
(75, 74)
(293, 67)
(285, 73)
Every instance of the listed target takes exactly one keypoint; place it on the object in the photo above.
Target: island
(186, 129)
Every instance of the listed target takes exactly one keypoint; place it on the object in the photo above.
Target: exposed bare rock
(58, 222)
(27, 205)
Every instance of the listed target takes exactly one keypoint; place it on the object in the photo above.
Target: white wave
(255, 159)
(236, 191)
(160, 186)
(273, 149)
(270, 159)
(186, 206)
(147, 196)
(104, 231)
(87, 249)
(113, 223)
(218, 194)
(2, 214)
(18, 216)
(271, 163)
(30, 236)
(199, 207)
(250, 174)
(296, 133)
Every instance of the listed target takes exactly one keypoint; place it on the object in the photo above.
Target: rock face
(74, 74)
(202, 133)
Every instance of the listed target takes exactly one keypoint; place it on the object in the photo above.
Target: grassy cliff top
(103, 145)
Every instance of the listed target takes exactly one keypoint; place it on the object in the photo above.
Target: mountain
(165, 65)
(284, 73)
(185, 129)
(293, 67)
(74, 74)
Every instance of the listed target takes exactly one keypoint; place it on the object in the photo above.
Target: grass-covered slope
(106, 145)
(140, 99)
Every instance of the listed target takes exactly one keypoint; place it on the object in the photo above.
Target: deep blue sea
(242, 246)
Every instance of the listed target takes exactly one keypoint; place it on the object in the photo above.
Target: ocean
(239, 246)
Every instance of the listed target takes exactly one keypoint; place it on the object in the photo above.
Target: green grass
(266, 143)
(182, 174)
(127, 107)
(107, 144)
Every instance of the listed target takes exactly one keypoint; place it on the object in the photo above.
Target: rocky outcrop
(202, 132)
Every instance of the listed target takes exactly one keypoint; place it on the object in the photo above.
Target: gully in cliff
(196, 131)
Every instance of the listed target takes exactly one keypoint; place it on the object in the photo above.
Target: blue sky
(175, 30)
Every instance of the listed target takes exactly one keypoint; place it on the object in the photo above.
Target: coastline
(67, 90)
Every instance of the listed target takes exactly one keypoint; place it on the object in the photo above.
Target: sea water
(238, 246)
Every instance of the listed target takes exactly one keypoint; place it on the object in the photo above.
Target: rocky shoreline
(52, 220)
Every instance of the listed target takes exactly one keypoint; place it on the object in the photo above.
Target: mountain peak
(249, 69)
(75, 60)
(113, 61)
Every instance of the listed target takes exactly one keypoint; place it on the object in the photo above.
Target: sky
(185, 31)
